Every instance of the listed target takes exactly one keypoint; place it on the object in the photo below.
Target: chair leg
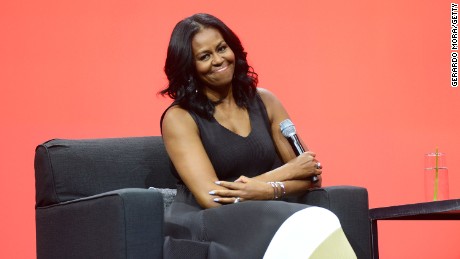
(374, 240)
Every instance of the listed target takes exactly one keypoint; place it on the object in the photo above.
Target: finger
(319, 182)
(307, 156)
(228, 200)
(225, 193)
(311, 153)
(317, 164)
(230, 185)
(311, 157)
(241, 179)
(244, 179)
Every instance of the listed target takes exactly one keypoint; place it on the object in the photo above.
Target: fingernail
(216, 199)
(212, 192)
(217, 182)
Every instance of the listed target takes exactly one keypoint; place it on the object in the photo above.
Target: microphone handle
(298, 149)
(296, 145)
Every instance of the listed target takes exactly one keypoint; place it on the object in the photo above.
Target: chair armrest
(351, 205)
(126, 223)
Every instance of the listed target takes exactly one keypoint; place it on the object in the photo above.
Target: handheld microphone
(289, 132)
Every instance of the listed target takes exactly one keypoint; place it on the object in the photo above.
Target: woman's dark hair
(184, 87)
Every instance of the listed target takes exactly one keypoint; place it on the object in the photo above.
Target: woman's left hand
(243, 189)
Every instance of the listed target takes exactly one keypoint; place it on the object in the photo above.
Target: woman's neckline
(234, 133)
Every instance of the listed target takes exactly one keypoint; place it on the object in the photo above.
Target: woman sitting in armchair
(233, 165)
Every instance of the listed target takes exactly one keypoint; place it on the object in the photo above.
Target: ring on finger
(238, 199)
(318, 165)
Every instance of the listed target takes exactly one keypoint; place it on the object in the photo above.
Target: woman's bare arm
(295, 168)
(184, 147)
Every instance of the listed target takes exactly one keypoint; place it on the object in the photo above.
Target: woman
(231, 160)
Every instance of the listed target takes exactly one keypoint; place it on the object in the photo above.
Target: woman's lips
(220, 69)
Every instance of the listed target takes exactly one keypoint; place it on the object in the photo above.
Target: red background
(366, 82)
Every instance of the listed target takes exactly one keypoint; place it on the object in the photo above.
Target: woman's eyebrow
(205, 50)
(220, 43)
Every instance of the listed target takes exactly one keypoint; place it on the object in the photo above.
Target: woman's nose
(217, 60)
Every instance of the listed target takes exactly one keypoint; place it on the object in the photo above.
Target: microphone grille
(287, 128)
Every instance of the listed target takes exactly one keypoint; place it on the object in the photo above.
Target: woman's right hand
(304, 166)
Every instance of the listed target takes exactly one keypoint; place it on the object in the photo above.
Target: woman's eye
(204, 57)
(222, 49)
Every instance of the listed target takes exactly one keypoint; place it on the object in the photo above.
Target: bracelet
(279, 191)
(282, 188)
(275, 190)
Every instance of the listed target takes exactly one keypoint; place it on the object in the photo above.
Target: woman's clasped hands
(304, 166)
(244, 188)
(301, 168)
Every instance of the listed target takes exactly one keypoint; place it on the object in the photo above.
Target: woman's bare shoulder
(265, 94)
(176, 111)
(271, 102)
(177, 119)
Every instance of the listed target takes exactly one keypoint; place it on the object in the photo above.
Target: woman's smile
(221, 69)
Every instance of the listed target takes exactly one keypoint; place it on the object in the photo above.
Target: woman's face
(214, 60)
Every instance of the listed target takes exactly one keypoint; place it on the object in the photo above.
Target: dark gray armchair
(93, 201)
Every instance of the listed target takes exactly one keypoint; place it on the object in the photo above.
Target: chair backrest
(71, 169)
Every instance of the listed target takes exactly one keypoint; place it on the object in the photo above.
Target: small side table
(435, 210)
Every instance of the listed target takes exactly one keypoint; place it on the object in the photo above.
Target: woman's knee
(325, 216)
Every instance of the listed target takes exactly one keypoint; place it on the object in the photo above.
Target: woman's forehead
(205, 38)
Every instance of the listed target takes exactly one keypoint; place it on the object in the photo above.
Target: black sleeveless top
(233, 155)
(242, 230)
